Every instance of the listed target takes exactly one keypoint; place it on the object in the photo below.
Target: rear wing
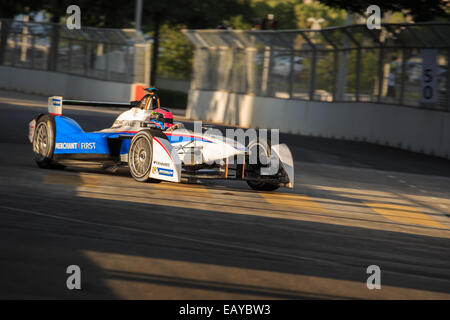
(55, 104)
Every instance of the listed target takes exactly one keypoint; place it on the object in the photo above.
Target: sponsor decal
(66, 145)
(125, 123)
(165, 172)
(56, 102)
(162, 164)
(75, 146)
(87, 145)
(154, 170)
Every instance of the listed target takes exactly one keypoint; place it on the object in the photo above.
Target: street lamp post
(138, 14)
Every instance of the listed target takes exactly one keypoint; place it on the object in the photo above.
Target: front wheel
(140, 156)
(44, 142)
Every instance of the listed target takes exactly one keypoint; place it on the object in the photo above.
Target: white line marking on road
(401, 181)
(206, 241)
(412, 186)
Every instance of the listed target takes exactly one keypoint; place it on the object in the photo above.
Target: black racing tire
(262, 185)
(44, 142)
(140, 156)
(262, 147)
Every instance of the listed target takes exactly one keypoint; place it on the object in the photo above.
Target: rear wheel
(44, 142)
(259, 154)
(262, 185)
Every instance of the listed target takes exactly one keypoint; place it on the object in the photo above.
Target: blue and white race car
(154, 147)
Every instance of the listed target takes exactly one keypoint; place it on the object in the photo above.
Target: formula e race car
(154, 147)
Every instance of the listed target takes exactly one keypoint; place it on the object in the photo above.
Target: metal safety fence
(404, 64)
(120, 55)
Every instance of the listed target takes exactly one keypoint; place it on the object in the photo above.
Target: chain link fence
(341, 64)
(120, 55)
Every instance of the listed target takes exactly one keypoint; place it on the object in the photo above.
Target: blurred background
(291, 50)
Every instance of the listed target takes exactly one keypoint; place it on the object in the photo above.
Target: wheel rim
(141, 157)
(41, 141)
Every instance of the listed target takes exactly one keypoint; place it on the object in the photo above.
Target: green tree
(332, 16)
(10, 8)
(293, 14)
(175, 54)
(420, 10)
(284, 12)
(239, 22)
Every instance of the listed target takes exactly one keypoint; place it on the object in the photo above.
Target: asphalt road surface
(354, 205)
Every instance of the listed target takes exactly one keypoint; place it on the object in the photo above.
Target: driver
(162, 118)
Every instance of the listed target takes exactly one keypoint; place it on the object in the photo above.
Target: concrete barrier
(69, 86)
(413, 129)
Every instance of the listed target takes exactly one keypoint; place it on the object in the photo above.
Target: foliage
(239, 22)
(173, 99)
(175, 56)
(290, 14)
(332, 17)
(10, 8)
(283, 11)
(420, 10)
